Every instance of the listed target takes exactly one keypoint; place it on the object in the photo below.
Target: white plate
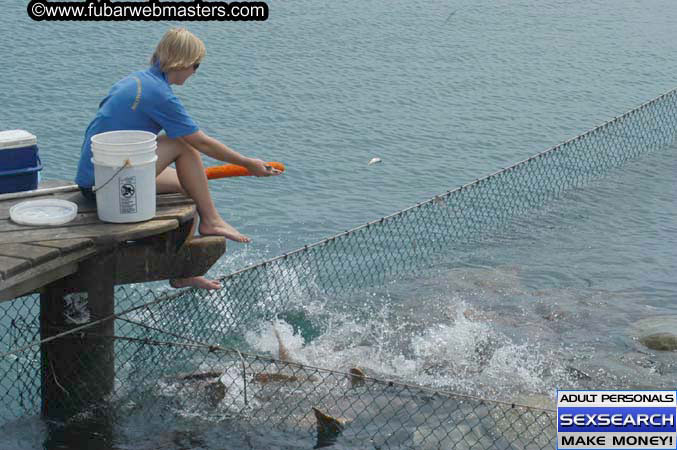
(46, 211)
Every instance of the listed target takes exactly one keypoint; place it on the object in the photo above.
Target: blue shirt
(141, 101)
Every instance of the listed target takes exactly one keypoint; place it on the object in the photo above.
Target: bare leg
(190, 176)
(167, 181)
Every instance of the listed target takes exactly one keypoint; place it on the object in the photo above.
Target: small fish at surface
(577, 374)
(328, 427)
(374, 161)
(264, 377)
(356, 377)
(208, 382)
(451, 15)
(215, 391)
(277, 377)
(201, 375)
(283, 353)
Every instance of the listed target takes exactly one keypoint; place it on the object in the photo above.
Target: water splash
(457, 352)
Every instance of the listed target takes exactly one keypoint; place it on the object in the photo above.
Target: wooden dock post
(85, 259)
(78, 370)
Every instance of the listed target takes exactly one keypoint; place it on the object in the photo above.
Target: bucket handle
(23, 170)
(127, 163)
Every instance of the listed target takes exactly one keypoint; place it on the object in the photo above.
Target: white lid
(16, 138)
(46, 211)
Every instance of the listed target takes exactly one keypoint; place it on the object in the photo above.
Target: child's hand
(259, 168)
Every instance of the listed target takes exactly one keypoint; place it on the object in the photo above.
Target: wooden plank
(35, 282)
(182, 213)
(170, 241)
(128, 232)
(141, 263)
(31, 257)
(80, 219)
(10, 266)
(101, 233)
(161, 201)
(89, 206)
(75, 197)
(43, 274)
(172, 196)
(86, 206)
(33, 253)
(171, 204)
(66, 245)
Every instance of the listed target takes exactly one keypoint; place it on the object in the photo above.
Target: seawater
(443, 93)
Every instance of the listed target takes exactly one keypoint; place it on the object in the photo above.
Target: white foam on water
(517, 368)
(460, 354)
(264, 339)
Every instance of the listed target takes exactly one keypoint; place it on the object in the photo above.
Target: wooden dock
(89, 257)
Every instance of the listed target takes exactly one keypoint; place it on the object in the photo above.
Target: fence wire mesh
(174, 349)
(187, 385)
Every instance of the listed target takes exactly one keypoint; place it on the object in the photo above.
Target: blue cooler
(19, 161)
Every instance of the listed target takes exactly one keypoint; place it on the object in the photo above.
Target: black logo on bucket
(127, 190)
(127, 195)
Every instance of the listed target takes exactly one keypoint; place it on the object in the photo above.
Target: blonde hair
(178, 49)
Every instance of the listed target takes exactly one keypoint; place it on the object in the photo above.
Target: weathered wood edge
(36, 254)
(102, 235)
(21, 257)
(88, 206)
(40, 275)
(180, 212)
(143, 263)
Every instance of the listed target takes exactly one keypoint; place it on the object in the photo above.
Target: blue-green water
(442, 92)
(326, 86)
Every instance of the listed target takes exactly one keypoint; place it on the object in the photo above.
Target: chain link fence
(176, 349)
(185, 385)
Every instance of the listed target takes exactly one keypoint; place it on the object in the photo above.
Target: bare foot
(222, 228)
(196, 282)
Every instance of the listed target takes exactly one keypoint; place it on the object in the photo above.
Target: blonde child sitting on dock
(144, 101)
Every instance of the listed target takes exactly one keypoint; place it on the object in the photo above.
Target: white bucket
(125, 195)
(112, 159)
(114, 147)
(124, 140)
